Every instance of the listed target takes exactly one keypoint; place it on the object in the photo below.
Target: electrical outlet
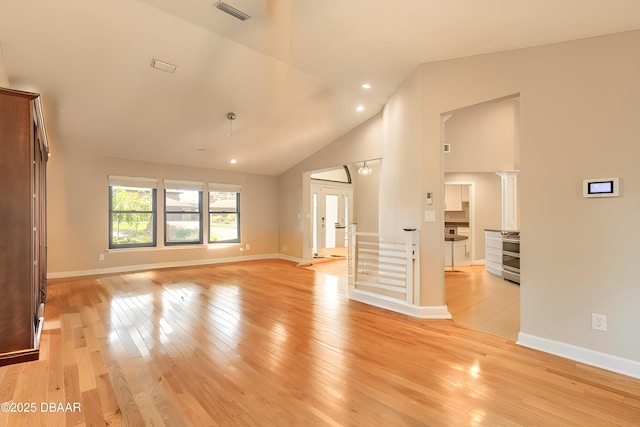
(598, 322)
(247, 247)
(100, 257)
(284, 248)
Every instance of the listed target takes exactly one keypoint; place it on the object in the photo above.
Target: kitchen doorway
(478, 141)
(459, 224)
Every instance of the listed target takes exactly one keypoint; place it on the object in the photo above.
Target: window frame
(113, 182)
(183, 186)
(224, 188)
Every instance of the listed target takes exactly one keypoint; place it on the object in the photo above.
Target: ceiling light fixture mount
(231, 116)
(232, 11)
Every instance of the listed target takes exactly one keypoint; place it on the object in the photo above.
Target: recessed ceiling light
(360, 108)
(233, 161)
(365, 86)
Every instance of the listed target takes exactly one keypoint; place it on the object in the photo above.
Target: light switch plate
(430, 216)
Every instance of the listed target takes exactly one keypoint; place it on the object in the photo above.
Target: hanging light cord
(231, 116)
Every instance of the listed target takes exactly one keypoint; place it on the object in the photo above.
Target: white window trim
(224, 188)
(170, 184)
(132, 181)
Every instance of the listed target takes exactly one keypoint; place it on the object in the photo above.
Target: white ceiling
(292, 73)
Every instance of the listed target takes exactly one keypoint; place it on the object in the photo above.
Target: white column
(509, 199)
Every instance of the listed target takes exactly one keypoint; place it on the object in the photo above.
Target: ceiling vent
(232, 11)
(163, 66)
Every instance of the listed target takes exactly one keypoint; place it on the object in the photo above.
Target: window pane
(223, 201)
(131, 199)
(223, 227)
(182, 201)
(132, 216)
(132, 228)
(224, 224)
(336, 174)
(183, 227)
(183, 214)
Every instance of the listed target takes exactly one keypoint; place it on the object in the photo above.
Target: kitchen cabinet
(457, 251)
(24, 153)
(464, 193)
(453, 197)
(493, 251)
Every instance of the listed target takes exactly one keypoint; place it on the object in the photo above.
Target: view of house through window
(132, 216)
(224, 215)
(183, 213)
(133, 212)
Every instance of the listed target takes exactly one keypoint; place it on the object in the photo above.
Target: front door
(332, 210)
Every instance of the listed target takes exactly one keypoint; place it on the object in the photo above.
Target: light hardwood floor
(263, 343)
(474, 297)
(483, 301)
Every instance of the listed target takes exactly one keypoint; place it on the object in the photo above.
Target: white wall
(483, 137)
(366, 195)
(399, 194)
(4, 77)
(579, 109)
(78, 209)
(363, 143)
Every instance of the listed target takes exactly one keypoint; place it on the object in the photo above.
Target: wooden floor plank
(483, 301)
(263, 343)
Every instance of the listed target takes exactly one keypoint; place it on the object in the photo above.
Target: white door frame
(322, 189)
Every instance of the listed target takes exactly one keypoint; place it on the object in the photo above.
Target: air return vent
(232, 11)
(163, 66)
(447, 148)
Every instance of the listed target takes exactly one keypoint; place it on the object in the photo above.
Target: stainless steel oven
(511, 256)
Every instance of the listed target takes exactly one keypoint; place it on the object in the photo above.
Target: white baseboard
(291, 258)
(190, 263)
(580, 354)
(392, 304)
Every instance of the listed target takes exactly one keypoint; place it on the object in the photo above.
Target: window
(337, 174)
(132, 212)
(183, 212)
(224, 213)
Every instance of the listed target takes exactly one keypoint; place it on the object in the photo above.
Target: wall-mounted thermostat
(601, 187)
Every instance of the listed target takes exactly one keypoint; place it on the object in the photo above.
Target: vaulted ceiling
(292, 73)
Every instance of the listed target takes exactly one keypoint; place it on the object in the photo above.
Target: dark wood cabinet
(23, 158)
